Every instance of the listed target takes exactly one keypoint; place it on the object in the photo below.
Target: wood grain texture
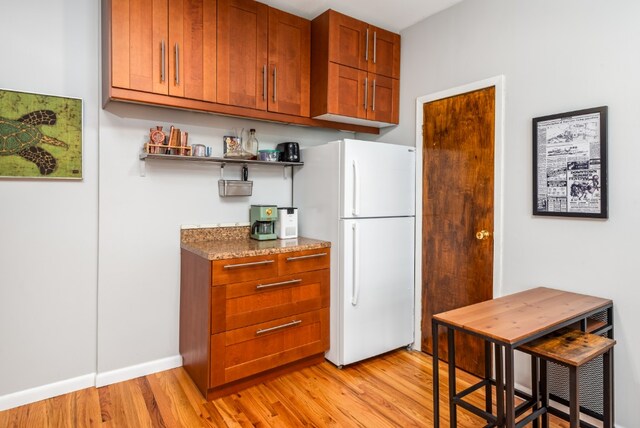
(384, 99)
(392, 390)
(225, 272)
(458, 188)
(387, 53)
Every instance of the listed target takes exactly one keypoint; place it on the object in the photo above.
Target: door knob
(483, 234)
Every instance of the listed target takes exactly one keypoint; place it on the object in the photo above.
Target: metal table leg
(510, 387)
(487, 375)
(435, 375)
(499, 385)
(452, 378)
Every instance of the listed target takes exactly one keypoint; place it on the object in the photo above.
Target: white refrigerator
(360, 195)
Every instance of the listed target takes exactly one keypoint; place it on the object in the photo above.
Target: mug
(198, 149)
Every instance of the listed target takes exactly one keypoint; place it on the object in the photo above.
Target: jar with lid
(251, 145)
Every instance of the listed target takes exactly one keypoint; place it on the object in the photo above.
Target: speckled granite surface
(218, 243)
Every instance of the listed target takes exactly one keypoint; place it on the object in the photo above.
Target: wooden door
(242, 53)
(139, 37)
(289, 63)
(192, 47)
(346, 91)
(458, 186)
(384, 99)
(347, 41)
(384, 53)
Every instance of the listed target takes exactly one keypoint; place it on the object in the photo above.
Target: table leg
(487, 375)
(499, 385)
(435, 374)
(509, 387)
(452, 377)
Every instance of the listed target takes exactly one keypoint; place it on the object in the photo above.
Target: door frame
(498, 190)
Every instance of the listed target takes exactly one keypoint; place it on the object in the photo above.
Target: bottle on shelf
(251, 145)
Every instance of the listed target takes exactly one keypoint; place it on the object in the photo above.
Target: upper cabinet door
(242, 53)
(192, 49)
(348, 41)
(384, 53)
(289, 63)
(139, 43)
(384, 98)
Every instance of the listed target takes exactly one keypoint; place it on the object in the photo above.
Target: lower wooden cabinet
(247, 319)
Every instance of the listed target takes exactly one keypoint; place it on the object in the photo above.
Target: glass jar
(251, 145)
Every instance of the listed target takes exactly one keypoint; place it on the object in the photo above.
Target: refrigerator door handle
(356, 185)
(355, 291)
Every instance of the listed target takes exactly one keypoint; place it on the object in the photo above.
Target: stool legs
(544, 393)
(535, 386)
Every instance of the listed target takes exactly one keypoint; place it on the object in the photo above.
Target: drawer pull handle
(310, 256)
(278, 327)
(275, 284)
(262, 262)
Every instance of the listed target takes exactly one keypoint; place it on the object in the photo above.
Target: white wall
(48, 228)
(556, 57)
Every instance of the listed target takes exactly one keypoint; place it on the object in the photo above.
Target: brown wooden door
(384, 98)
(242, 53)
(346, 91)
(289, 63)
(139, 36)
(347, 41)
(384, 52)
(192, 49)
(458, 186)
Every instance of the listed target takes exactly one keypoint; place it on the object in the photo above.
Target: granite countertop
(218, 243)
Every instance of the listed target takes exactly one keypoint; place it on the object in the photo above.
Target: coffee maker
(263, 219)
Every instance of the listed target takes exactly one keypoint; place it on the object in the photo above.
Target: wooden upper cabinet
(347, 40)
(139, 38)
(192, 49)
(384, 53)
(289, 63)
(383, 98)
(242, 53)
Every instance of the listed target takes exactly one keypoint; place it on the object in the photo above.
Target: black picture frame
(570, 164)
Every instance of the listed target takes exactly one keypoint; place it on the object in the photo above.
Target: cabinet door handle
(278, 327)
(276, 284)
(366, 46)
(275, 83)
(264, 82)
(366, 92)
(162, 62)
(177, 49)
(309, 256)
(373, 98)
(261, 262)
(375, 45)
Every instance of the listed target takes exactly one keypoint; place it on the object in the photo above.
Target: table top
(513, 318)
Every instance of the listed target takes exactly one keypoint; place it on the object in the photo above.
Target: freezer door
(378, 179)
(377, 295)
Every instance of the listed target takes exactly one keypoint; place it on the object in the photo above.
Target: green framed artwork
(40, 136)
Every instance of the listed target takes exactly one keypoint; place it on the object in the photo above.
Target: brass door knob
(483, 234)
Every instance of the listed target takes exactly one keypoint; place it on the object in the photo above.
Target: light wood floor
(393, 390)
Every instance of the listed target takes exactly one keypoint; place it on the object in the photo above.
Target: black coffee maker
(289, 152)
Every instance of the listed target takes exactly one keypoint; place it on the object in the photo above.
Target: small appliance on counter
(287, 223)
(289, 152)
(263, 219)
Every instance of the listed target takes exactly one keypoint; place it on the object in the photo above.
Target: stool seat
(570, 347)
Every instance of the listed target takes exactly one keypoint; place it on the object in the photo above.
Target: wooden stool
(572, 349)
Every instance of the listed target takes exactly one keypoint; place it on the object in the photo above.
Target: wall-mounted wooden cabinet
(355, 70)
(263, 58)
(233, 57)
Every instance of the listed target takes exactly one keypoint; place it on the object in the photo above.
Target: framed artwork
(40, 136)
(570, 164)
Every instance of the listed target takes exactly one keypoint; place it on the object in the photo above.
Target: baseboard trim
(132, 372)
(43, 392)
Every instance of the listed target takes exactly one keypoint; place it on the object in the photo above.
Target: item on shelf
(199, 150)
(156, 137)
(242, 187)
(268, 155)
(232, 147)
(251, 145)
(289, 152)
(176, 143)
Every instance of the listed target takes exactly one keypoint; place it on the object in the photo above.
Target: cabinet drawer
(246, 351)
(258, 301)
(303, 261)
(243, 269)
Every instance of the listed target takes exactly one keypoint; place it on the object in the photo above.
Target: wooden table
(506, 323)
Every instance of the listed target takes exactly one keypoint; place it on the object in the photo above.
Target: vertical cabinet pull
(366, 46)
(162, 61)
(373, 97)
(275, 83)
(264, 82)
(375, 45)
(177, 49)
(366, 92)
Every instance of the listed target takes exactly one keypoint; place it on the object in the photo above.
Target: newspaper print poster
(570, 164)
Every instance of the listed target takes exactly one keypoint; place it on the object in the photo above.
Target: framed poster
(570, 164)
(40, 136)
